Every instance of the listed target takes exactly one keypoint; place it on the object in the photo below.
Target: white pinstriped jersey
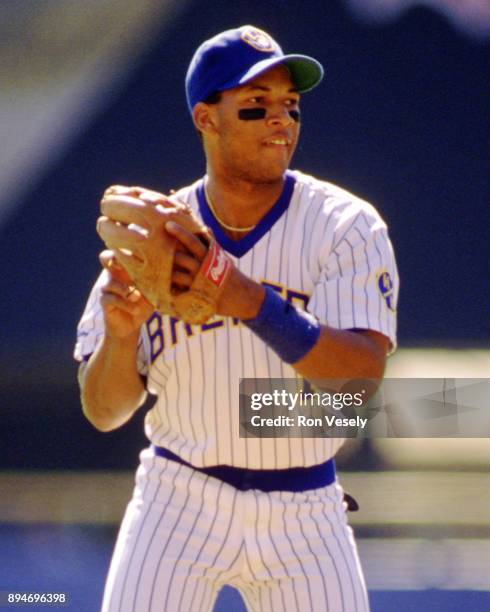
(321, 248)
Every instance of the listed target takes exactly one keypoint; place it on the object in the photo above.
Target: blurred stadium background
(92, 94)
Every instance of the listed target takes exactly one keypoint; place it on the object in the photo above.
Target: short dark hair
(213, 98)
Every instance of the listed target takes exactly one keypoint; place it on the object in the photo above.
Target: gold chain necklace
(228, 227)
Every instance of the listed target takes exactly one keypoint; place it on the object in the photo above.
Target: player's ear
(203, 117)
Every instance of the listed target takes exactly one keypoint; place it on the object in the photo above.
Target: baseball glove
(133, 227)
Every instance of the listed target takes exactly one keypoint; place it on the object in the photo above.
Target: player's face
(259, 149)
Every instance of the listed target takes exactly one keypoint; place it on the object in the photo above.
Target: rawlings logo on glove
(218, 265)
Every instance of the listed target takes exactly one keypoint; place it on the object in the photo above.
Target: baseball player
(307, 288)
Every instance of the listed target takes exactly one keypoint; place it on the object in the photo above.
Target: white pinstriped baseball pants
(185, 535)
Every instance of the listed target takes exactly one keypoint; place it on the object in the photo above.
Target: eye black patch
(254, 114)
(251, 114)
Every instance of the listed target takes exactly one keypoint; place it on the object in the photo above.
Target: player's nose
(279, 116)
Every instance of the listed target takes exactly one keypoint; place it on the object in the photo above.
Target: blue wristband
(290, 332)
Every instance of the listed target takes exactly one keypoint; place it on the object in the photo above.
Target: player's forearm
(344, 354)
(111, 388)
(242, 297)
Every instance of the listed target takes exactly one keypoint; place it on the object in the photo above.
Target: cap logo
(258, 40)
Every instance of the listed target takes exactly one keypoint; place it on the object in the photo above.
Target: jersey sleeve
(90, 330)
(358, 283)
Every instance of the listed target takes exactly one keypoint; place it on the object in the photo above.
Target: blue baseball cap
(237, 56)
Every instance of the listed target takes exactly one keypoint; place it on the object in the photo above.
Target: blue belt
(291, 479)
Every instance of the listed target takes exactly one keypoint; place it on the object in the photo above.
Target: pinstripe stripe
(151, 540)
(331, 555)
(247, 460)
(324, 235)
(297, 557)
(305, 573)
(190, 534)
(380, 263)
(369, 263)
(206, 601)
(204, 543)
(184, 400)
(278, 442)
(191, 380)
(299, 190)
(137, 540)
(173, 412)
(316, 454)
(202, 390)
(368, 275)
(326, 309)
(228, 391)
(320, 573)
(160, 373)
(200, 585)
(249, 564)
(249, 595)
(284, 224)
(287, 537)
(216, 370)
(304, 450)
(264, 593)
(283, 256)
(341, 272)
(163, 419)
(146, 559)
(271, 537)
(352, 281)
(243, 366)
(223, 373)
(344, 547)
(252, 338)
(171, 444)
(338, 302)
(268, 353)
(257, 531)
(225, 534)
(306, 264)
(286, 261)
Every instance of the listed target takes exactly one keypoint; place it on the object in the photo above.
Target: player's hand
(241, 297)
(189, 256)
(125, 308)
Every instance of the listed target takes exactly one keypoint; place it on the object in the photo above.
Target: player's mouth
(280, 142)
